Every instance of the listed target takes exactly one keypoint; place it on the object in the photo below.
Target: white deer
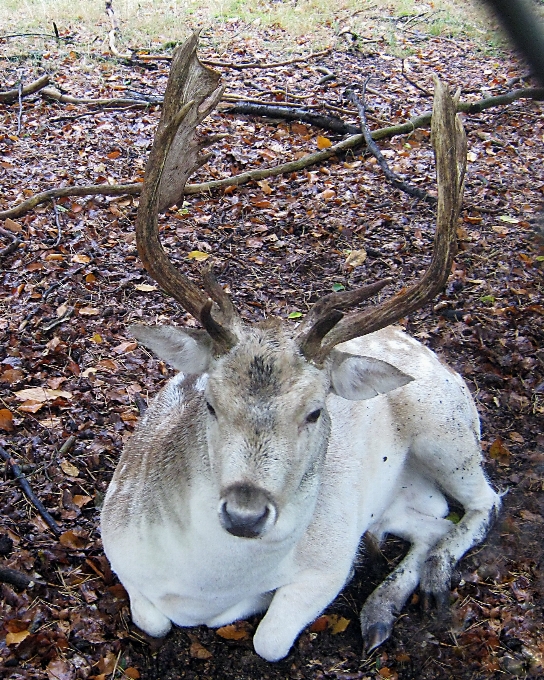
(255, 472)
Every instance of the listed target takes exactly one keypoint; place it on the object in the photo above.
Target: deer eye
(211, 409)
(313, 417)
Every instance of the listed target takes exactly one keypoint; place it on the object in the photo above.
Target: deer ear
(356, 377)
(187, 350)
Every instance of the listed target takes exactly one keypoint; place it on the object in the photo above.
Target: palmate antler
(192, 92)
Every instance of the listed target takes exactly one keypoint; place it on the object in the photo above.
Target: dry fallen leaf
(12, 375)
(337, 624)
(41, 394)
(80, 501)
(31, 406)
(127, 346)
(355, 258)
(16, 638)
(59, 669)
(69, 469)
(198, 255)
(145, 287)
(327, 194)
(198, 651)
(89, 311)
(499, 452)
(81, 259)
(132, 673)
(6, 420)
(240, 630)
(323, 142)
(76, 540)
(13, 226)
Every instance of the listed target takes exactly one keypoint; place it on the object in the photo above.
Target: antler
(191, 93)
(326, 329)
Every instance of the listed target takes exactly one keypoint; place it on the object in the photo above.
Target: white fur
(389, 461)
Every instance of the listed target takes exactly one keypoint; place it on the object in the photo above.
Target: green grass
(154, 23)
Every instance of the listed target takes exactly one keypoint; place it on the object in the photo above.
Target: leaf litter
(69, 368)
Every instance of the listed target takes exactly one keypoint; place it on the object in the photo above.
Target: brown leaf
(323, 142)
(59, 670)
(355, 258)
(499, 452)
(132, 673)
(81, 259)
(69, 469)
(320, 624)
(6, 420)
(327, 194)
(124, 347)
(74, 541)
(107, 664)
(12, 375)
(41, 394)
(80, 500)
(198, 651)
(31, 406)
(240, 630)
(13, 226)
(16, 638)
(89, 311)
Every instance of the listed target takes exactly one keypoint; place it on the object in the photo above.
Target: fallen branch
(56, 95)
(13, 95)
(332, 123)
(27, 490)
(260, 64)
(423, 120)
(14, 577)
(373, 148)
(535, 93)
(92, 190)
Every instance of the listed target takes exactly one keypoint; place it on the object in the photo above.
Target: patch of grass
(318, 23)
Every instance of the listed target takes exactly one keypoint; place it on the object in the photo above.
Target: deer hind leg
(455, 466)
(423, 530)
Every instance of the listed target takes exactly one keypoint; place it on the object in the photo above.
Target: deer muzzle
(246, 511)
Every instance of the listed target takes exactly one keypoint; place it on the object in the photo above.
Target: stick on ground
(27, 490)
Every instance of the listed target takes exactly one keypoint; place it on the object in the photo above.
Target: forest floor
(74, 284)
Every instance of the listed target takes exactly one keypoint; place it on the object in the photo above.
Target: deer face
(266, 419)
(268, 429)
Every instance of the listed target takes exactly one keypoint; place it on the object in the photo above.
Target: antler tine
(192, 92)
(450, 148)
(325, 314)
(218, 295)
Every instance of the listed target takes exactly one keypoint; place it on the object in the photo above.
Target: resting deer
(249, 482)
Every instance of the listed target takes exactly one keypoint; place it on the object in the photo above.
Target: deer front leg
(293, 607)
(146, 616)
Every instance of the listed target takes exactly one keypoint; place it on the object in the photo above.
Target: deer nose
(246, 511)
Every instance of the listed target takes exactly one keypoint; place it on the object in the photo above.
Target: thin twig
(57, 222)
(27, 490)
(20, 112)
(11, 248)
(373, 148)
(413, 83)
